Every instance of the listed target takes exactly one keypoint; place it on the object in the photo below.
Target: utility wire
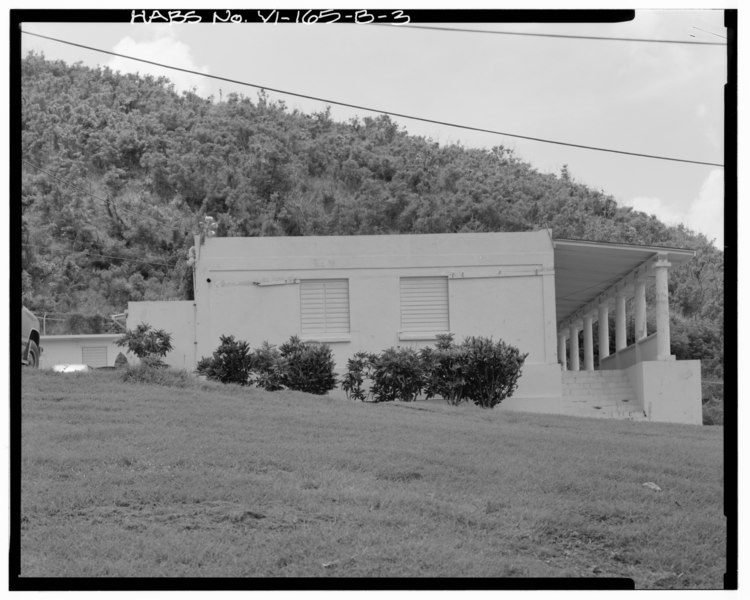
(59, 179)
(723, 37)
(555, 35)
(393, 114)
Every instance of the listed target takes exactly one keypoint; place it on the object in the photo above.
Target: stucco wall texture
(177, 317)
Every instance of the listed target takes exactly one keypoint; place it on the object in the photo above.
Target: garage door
(94, 356)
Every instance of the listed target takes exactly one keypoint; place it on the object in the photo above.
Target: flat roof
(584, 270)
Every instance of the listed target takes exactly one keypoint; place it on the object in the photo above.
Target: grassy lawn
(215, 481)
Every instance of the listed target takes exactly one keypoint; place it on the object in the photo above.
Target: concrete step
(596, 373)
(600, 400)
(593, 379)
(600, 394)
(595, 382)
(603, 387)
(634, 415)
(595, 389)
(625, 402)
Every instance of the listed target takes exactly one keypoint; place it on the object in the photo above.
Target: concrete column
(603, 331)
(561, 358)
(640, 309)
(549, 314)
(621, 332)
(663, 344)
(588, 342)
(574, 351)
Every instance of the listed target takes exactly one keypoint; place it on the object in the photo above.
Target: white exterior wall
(500, 285)
(68, 349)
(670, 390)
(177, 317)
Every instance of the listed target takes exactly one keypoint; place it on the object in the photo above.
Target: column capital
(662, 262)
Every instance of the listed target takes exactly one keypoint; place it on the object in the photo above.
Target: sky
(650, 98)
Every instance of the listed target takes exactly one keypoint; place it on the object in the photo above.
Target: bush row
(295, 365)
(478, 369)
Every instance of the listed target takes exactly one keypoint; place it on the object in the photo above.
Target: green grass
(205, 480)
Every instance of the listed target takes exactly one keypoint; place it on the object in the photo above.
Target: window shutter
(94, 356)
(324, 306)
(424, 304)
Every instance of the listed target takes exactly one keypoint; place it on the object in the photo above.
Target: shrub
(713, 412)
(477, 370)
(145, 373)
(267, 366)
(492, 370)
(307, 367)
(397, 375)
(444, 372)
(358, 368)
(149, 344)
(121, 361)
(444, 341)
(230, 362)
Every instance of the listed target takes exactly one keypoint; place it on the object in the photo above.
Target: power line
(723, 37)
(391, 113)
(555, 35)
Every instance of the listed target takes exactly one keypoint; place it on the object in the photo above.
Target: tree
(118, 168)
(149, 344)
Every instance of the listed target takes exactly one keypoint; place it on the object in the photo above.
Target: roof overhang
(587, 271)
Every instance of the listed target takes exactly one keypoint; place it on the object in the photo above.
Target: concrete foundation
(669, 391)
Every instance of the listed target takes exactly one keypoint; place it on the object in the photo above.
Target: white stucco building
(372, 292)
(94, 350)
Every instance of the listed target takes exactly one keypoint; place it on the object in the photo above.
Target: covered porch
(591, 280)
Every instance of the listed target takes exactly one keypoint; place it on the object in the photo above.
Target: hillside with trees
(119, 170)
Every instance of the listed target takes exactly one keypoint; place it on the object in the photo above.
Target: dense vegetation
(295, 365)
(478, 369)
(119, 170)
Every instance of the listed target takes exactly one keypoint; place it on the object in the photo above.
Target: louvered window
(424, 305)
(324, 306)
(94, 356)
